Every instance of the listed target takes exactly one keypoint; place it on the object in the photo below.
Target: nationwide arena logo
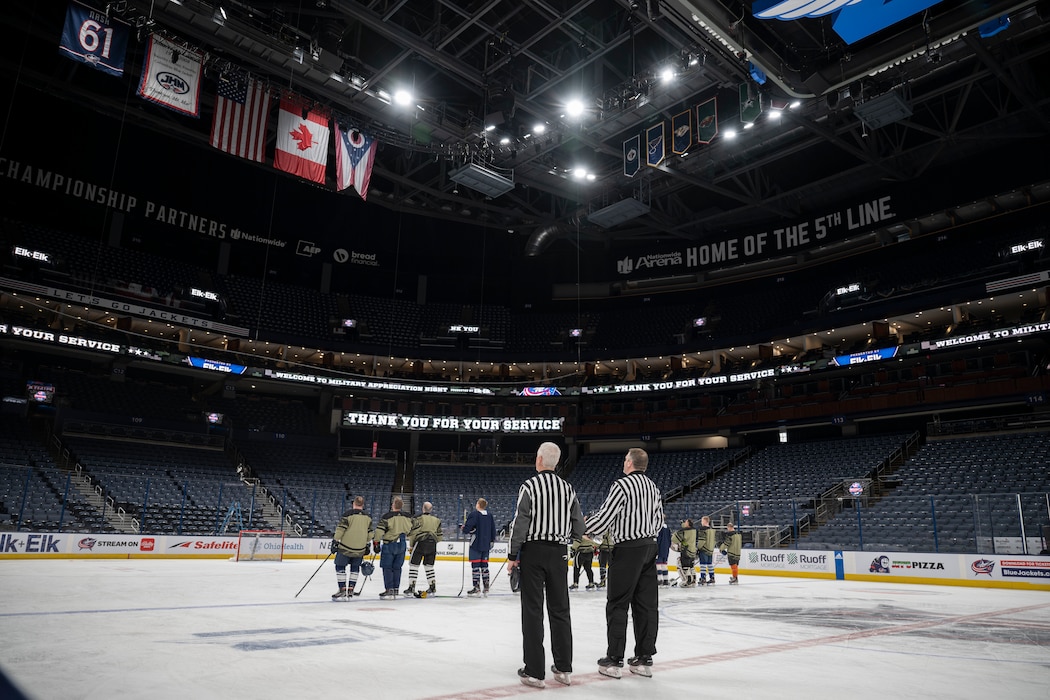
(651, 262)
(982, 566)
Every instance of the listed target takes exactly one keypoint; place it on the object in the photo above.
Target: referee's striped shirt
(633, 510)
(548, 510)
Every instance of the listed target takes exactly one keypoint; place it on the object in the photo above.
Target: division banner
(657, 149)
(707, 121)
(632, 159)
(681, 133)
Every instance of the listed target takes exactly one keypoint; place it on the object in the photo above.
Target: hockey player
(663, 552)
(482, 525)
(350, 545)
(731, 544)
(426, 533)
(705, 551)
(392, 531)
(684, 542)
(583, 560)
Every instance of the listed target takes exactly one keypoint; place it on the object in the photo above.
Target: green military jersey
(353, 533)
(392, 525)
(425, 527)
(685, 539)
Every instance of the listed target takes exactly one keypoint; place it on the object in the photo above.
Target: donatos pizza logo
(927, 565)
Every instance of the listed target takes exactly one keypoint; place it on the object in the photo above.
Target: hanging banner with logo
(681, 133)
(171, 76)
(750, 103)
(654, 139)
(707, 121)
(632, 161)
(89, 36)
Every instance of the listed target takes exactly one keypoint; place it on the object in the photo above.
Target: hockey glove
(376, 547)
(334, 547)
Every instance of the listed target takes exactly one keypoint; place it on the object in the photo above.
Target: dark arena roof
(747, 194)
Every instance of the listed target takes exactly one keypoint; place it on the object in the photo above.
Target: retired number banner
(90, 37)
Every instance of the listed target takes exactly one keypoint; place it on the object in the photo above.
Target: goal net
(260, 545)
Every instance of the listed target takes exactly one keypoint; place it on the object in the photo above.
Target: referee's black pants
(544, 569)
(632, 585)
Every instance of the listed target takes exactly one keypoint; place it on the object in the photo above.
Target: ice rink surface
(207, 629)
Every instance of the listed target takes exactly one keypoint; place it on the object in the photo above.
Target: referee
(548, 517)
(633, 513)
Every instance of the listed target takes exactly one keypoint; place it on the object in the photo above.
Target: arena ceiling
(930, 92)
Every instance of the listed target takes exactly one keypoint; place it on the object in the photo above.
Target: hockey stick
(314, 574)
(498, 571)
(463, 564)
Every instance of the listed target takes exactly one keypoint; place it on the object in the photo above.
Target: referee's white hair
(549, 454)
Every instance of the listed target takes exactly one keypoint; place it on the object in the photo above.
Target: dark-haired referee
(548, 517)
(633, 513)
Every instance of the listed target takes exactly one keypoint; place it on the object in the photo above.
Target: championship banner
(681, 133)
(89, 36)
(707, 121)
(654, 139)
(171, 77)
(632, 160)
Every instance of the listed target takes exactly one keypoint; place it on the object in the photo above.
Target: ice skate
(528, 680)
(641, 665)
(563, 677)
(609, 666)
(339, 595)
(410, 590)
(474, 592)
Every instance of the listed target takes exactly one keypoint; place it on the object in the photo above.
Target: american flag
(242, 110)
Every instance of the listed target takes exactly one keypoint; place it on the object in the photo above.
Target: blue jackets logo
(983, 566)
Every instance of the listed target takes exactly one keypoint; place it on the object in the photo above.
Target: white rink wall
(1026, 572)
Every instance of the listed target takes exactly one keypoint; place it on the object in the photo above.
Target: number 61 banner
(93, 38)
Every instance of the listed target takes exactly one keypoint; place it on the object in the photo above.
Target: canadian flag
(302, 142)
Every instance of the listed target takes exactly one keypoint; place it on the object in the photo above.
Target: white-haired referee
(633, 513)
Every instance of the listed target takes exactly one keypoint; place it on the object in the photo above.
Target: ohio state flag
(354, 154)
(302, 140)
